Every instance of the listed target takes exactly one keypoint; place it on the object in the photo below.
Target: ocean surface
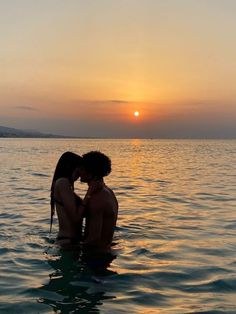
(175, 238)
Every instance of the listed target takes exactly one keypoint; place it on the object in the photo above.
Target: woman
(69, 206)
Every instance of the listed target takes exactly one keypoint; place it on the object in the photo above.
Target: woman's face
(76, 174)
(84, 175)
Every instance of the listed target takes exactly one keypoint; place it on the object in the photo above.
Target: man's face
(84, 175)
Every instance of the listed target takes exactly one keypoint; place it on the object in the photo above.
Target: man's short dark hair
(97, 163)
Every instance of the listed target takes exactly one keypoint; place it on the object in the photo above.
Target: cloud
(118, 101)
(26, 108)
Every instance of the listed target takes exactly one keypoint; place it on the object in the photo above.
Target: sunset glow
(62, 76)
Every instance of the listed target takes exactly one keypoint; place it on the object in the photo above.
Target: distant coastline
(7, 132)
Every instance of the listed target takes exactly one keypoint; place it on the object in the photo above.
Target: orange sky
(90, 62)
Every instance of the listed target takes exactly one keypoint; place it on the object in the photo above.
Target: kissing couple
(99, 207)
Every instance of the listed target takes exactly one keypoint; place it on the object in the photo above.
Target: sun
(136, 114)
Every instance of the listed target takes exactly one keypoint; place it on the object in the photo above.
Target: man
(102, 208)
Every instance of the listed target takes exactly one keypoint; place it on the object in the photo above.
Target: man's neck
(96, 185)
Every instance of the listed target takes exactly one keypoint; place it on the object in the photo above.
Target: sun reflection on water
(175, 236)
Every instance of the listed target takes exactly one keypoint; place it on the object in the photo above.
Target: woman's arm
(66, 196)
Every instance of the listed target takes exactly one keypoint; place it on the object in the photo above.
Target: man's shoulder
(102, 200)
(103, 195)
(107, 191)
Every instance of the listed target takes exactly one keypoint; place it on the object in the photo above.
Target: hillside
(12, 132)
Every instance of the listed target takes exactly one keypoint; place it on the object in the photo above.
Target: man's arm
(95, 224)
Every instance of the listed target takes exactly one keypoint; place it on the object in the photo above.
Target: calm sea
(176, 233)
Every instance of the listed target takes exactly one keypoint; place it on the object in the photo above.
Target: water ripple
(175, 240)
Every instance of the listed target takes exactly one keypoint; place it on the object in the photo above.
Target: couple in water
(98, 208)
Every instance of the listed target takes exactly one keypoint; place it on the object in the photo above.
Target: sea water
(175, 237)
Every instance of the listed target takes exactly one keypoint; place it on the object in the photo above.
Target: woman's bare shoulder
(62, 182)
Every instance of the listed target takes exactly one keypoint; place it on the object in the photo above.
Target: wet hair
(97, 164)
(65, 167)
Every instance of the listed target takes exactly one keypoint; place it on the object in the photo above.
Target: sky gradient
(82, 68)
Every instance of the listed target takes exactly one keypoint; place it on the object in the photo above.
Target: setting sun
(136, 113)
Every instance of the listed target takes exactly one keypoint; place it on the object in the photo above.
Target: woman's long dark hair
(65, 167)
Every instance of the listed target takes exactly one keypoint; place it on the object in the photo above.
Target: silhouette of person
(102, 206)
